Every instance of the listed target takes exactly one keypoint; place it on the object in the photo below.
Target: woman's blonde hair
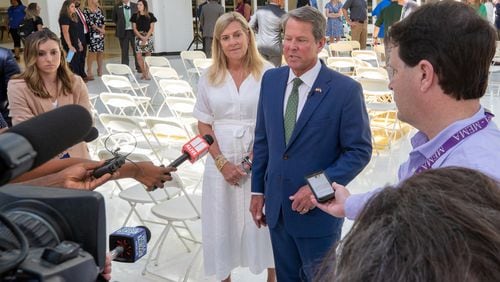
(252, 62)
(31, 11)
(31, 73)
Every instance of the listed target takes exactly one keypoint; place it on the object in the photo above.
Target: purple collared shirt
(480, 151)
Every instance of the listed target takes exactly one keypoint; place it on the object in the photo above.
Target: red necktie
(82, 18)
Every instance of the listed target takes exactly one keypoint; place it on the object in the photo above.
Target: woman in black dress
(143, 24)
(72, 36)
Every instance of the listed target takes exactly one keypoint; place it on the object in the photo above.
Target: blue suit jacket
(331, 134)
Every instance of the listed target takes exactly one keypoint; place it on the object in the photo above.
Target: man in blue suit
(310, 118)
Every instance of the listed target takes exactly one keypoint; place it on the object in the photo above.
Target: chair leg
(156, 247)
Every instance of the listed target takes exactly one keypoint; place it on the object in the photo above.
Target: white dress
(230, 237)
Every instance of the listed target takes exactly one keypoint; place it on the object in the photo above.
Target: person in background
(266, 23)
(8, 68)
(228, 94)
(490, 11)
(497, 18)
(46, 83)
(244, 8)
(479, 7)
(376, 13)
(71, 36)
(16, 15)
(122, 12)
(95, 21)
(84, 39)
(357, 19)
(439, 225)
(438, 92)
(32, 19)
(334, 25)
(310, 118)
(209, 15)
(143, 24)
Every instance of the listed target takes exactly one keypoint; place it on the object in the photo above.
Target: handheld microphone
(193, 150)
(39, 139)
(128, 244)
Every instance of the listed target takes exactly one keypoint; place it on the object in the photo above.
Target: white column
(50, 14)
(174, 29)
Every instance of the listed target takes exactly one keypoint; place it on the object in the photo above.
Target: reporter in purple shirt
(440, 73)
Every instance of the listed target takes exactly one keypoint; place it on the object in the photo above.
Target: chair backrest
(376, 90)
(367, 56)
(118, 123)
(345, 65)
(323, 54)
(116, 103)
(341, 48)
(157, 61)
(380, 51)
(118, 82)
(170, 133)
(191, 55)
(118, 69)
(372, 72)
(355, 44)
(176, 87)
(202, 64)
(124, 70)
(163, 72)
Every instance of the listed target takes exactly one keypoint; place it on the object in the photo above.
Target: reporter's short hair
(439, 225)
(455, 40)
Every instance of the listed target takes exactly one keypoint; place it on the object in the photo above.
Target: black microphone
(128, 244)
(193, 150)
(92, 135)
(39, 139)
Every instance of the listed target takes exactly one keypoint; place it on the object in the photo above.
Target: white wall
(174, 29)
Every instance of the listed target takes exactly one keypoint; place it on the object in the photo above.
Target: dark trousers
(297, 258)
(125, 42)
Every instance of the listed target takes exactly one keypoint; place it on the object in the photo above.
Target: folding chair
(201, 65)
(158, 73)
(372, 72)
(323, 54)
(175, 213)
(376, 90)
(135, 193)
(380, 51)
(124, 70)
(345, 65)
(141, 143)
(171, 88)
(340, 48)
(367, 56)
(157, 61)
(187, 60)
(119, 103)
(122, 84)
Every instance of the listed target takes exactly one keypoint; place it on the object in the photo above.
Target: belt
(358, 21)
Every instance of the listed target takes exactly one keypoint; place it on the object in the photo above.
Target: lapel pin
(318, 90)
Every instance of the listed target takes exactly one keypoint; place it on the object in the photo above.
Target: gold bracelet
(220, 161)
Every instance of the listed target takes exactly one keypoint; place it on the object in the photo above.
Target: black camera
(110, 166)
(51, 233)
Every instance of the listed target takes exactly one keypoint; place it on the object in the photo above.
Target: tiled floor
(380, 171)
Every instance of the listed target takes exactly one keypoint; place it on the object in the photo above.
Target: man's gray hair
(310, 15)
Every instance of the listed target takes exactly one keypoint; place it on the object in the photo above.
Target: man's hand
(106, 272)
(152, 176)
(79, 176)
(301, 201)
(334, 206)
(256, 206)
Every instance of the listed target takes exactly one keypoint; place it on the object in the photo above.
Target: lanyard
(456, 138)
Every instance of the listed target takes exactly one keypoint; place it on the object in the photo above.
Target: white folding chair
(135, 193)
(323, 54)
(171, 88)
(124, 70)
(367, 56)
(201, 65)
(144, 142)
(380, 51)
(187, 60)
(345, 65)
(158, 73)
(372, 72)
(122, 104)
(341, 48)
(376, 90)
(175, 213)
(114, 83)
(157, 61)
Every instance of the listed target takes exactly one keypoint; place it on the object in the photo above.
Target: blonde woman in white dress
(226, 108)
